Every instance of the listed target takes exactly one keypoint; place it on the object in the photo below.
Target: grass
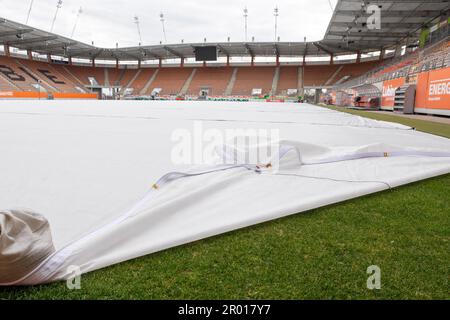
(321, 254)
(440, 129)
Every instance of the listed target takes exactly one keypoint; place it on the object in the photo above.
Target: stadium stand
(5, 85)
(318, 75)
(25, 74)
(139, 83)
(288, 79)
(126, 75)
(215, 79)
(50, 77)
(350, 71)
(170, 80)
(345, 61)
(84, 74)
(113, 76)
(419, 61)
(249, 78)
(78, 86)
(17, 75)
(421, 75)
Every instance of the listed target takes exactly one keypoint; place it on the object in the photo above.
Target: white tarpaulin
(93, 170)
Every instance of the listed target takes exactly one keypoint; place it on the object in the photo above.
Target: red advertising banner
(388, 94)
(433, 90)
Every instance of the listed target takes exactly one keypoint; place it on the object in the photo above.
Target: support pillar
(160, 63)
(139, 64)
(49, 58)
(182, 63)
(253, 61)
(204, 64)
(70, 61)
(93, 63)
(228, 61)
(117, 63)
(30, 54)
(300, 83)
(382, 52)
(398, 51)
(278, 60)
(358, 57)
(317, 94)
(7, 50)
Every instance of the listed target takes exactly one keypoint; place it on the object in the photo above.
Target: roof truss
(31, 40)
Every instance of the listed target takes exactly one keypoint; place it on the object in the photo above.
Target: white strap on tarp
(285, 149)
(172, 176)
(177, 175)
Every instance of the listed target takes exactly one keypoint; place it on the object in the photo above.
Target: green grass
(321, 254)
(440, 129)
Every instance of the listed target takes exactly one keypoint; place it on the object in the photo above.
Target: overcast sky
(109, 21)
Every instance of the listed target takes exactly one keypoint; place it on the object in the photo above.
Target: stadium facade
(400, 64)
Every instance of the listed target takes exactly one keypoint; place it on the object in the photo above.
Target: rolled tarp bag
(25, 242)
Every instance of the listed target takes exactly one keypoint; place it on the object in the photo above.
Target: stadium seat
(249, 78)
(214, 78)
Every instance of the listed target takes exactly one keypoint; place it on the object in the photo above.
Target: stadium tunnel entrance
(314, 94)
(106, 92)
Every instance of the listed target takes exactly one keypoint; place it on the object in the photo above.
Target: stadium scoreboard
(206, 53)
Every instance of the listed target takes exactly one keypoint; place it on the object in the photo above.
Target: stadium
(229, 170)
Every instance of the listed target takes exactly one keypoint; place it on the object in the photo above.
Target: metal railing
(434, 56)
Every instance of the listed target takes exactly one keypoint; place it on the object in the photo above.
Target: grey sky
(109, 21)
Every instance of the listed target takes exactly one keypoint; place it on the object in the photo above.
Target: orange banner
(389, 88)
(22, 95)
(75, 95)
(44, 95)
(433, 90)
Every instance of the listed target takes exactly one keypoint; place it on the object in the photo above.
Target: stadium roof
(346, 33)
(400, 21)
(28, 38)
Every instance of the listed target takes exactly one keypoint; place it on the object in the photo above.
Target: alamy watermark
(374, 20)
(374, 280)
(199, 146)
(74, 280)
